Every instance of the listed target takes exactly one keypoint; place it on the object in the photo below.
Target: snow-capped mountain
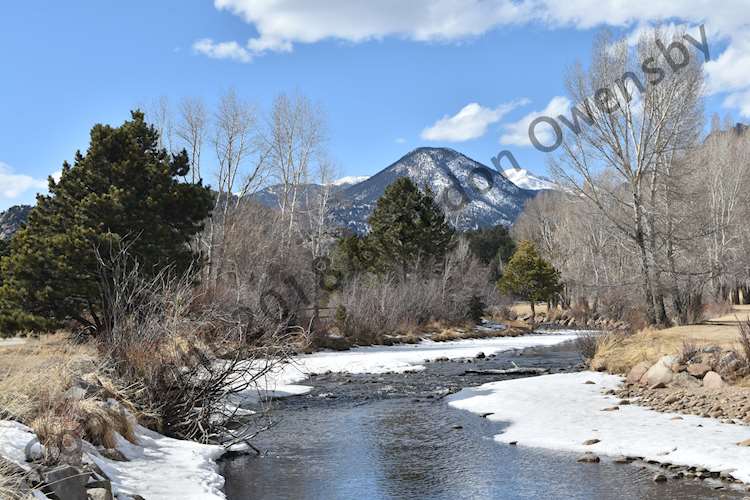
(350, 180)
(472, 194)
(526, 180)
(459, 184)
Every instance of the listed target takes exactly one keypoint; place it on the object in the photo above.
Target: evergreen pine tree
(123, 192)
(407, 227)
(530, 277)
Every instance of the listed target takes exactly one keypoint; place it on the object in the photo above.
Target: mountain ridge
(472, 194)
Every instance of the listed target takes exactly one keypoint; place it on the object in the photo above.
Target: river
(372, 437)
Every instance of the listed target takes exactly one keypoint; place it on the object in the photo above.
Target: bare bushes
(178, 358)
(689, 352)
(268, 284)
(370, 306)
(587, 344)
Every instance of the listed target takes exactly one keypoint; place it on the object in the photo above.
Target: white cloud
(470, 122)
(222, 50)
(740, 101)
(517, 134)
(14, 185)
(400, 140)
(280, 24)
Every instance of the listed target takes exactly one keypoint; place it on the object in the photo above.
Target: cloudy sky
(391, 75)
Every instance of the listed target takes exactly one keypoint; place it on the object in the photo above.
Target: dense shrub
(378, 305)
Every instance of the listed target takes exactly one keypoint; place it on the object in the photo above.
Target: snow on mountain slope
(350, 180)
(472, 194)
(526, 180)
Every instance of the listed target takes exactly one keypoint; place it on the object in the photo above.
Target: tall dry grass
(38, 382)
(12, 484)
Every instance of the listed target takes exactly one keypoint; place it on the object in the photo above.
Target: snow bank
(560, 412)
(160, 468)
(282, 381)
(14, 438)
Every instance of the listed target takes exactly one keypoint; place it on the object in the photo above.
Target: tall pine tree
(123, 191)
(407, 228)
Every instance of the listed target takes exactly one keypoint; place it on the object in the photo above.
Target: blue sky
(385, 72)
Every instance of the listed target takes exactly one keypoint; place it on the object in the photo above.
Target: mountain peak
(470, 199)
(526, 180)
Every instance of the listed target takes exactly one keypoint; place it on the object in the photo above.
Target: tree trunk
(645, 270)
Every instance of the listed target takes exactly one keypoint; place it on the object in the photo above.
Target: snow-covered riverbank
(283, 381)
(160, 468)
(562, 411)
(157, 468)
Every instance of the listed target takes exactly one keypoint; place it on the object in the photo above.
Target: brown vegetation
(374, 306)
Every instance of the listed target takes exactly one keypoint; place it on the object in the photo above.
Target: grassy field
(523, 308)
(619, 354)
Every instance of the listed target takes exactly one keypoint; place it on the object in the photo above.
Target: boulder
(712, 380)
(589, 442)
(66, 482)
(99, 494)
(660, 373)
(637, 372)
(698, 370)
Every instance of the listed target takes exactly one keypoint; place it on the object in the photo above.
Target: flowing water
(394, 437)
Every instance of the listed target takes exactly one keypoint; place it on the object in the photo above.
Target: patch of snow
(14, 438)
(560, 412)
(282, 380)
(162, 468)
(350, 180)
(526, 180)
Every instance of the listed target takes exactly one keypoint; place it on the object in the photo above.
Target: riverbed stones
(588, 458)
(660, 478)
(712, 380)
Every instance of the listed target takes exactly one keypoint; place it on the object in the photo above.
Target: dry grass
(524, 308)
(650, 344)
(12, 485)
(35, 388)
(735, 314)
(34, 376)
